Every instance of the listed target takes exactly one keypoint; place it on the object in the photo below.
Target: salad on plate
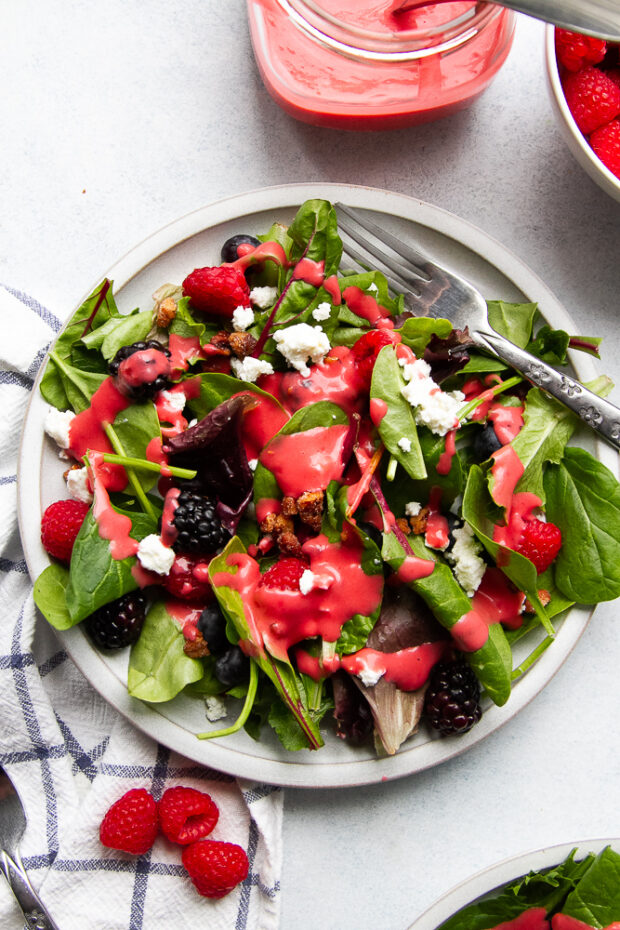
(577, 894)
(294, 500)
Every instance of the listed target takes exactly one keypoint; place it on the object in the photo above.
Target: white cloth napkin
(71, 755)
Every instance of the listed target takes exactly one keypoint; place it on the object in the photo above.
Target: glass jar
(357, 64)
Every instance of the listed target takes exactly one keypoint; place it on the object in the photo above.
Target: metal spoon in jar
(599, 18)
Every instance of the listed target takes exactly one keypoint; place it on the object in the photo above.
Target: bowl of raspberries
(583, 75)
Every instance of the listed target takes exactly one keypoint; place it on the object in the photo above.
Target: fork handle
(35, 913)
(598, 413)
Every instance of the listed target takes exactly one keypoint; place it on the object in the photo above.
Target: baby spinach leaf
(119, 331)
(135, 427)
(49, 594)
(398, 423)
(95, 578)
(583, 499)
(215, 388)
(67, 387)
(596, 898)
(512, 320)
(416, 332)
(550, 345)
(158, 667)
(492, 664)
(314, 234)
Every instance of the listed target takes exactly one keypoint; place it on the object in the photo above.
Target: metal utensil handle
(595, 411)
(35, 912)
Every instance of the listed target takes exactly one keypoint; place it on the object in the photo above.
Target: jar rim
(354, 41)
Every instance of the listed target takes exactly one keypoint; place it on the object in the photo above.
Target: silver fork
(431, 289)
(12, 826)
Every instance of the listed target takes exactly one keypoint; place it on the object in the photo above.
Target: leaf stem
(144, 465)
(390, 473)
(533, 656)
(465, 411)
(140, 493)
(245, 711)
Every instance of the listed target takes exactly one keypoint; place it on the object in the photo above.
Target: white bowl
(576, 141)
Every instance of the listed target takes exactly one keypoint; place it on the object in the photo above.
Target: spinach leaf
(512, 320)
(596, 898)
(119, 331)
(95, 578)
(215, 388)
(492, 664)
(583, 499)
(135, 427)
(373, 284)
(282, 674)
(417, 331)
(158, 667)
(67, 387)
(49, 594)
(357, 629)
(398, 423)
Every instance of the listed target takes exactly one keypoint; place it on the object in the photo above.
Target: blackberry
(229, 252)
(198, 527)
(146, 380)
(485, 443)
(232, 667)
(119, 623)
(212, 625)
(452, 701)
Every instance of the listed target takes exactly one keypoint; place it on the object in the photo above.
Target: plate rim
(499, 873)
(149, 718)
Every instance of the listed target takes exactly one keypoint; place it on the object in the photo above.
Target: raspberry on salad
(592, 97)
(605, 144)
(119, 623)
(60, 525)
(540, 543)
(187, 579)
(285, 574)
(366, 350)
(574, 50)
(218, 290)
(186, 814)
(131, 824)
(215, 868)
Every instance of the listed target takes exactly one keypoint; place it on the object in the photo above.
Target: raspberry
(141, 369)
(218, 290)
(574, 50)
(186, 815)
(285, 574)
(592, 97)
(366, 350)
(215, 868)
(60, 525)
(452, 700)
(119, 623)
(199, 529)
(131, 823)
(188, 579)
(540, 543)
(605, 144)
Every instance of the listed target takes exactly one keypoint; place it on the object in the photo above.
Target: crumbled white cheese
(215, 707)
(77, 485)
(252, 464)
(433, 407)
(307, 582)
(369, 676)
(175, 400)
(302, 342)
(57, 423)
(264, 297)
(468, 566)
(404, 444)
(372, 287)
(242, 318)
(154, 556)
(249, 369)
(322, 312)
(413, 508)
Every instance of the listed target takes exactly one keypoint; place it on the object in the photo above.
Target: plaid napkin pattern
(71, 755)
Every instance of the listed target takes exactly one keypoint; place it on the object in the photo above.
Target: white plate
(167, 256)
(492, 879)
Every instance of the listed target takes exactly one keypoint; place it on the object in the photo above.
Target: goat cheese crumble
(242, 318)
(264, 297)
(57, 425)
(301, 343)
(464, 555)
(154, 556)
(307, 582)
(215, 708)
(434, 408)
(404, 444)
(249, 369)
(322, 312)
(77, 485)
(413, 508)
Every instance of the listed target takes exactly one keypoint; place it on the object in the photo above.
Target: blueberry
(229, 249)
(485, 443)
(212, 625)
(232, 667)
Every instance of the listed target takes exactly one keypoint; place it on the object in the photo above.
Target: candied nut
(166, 312)
(242, 344)
(310, 507)
(275, 524)
(196, 648)
(403, 524)
(290, 545)
(289, 506)
(220, 341)
(543, 596)
(418, 523)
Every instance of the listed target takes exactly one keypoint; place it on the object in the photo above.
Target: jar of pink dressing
(359, 64)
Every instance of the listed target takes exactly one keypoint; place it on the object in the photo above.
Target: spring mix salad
(286, 489)
(577, 894)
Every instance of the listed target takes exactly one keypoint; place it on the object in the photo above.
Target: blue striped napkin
(71, 755)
